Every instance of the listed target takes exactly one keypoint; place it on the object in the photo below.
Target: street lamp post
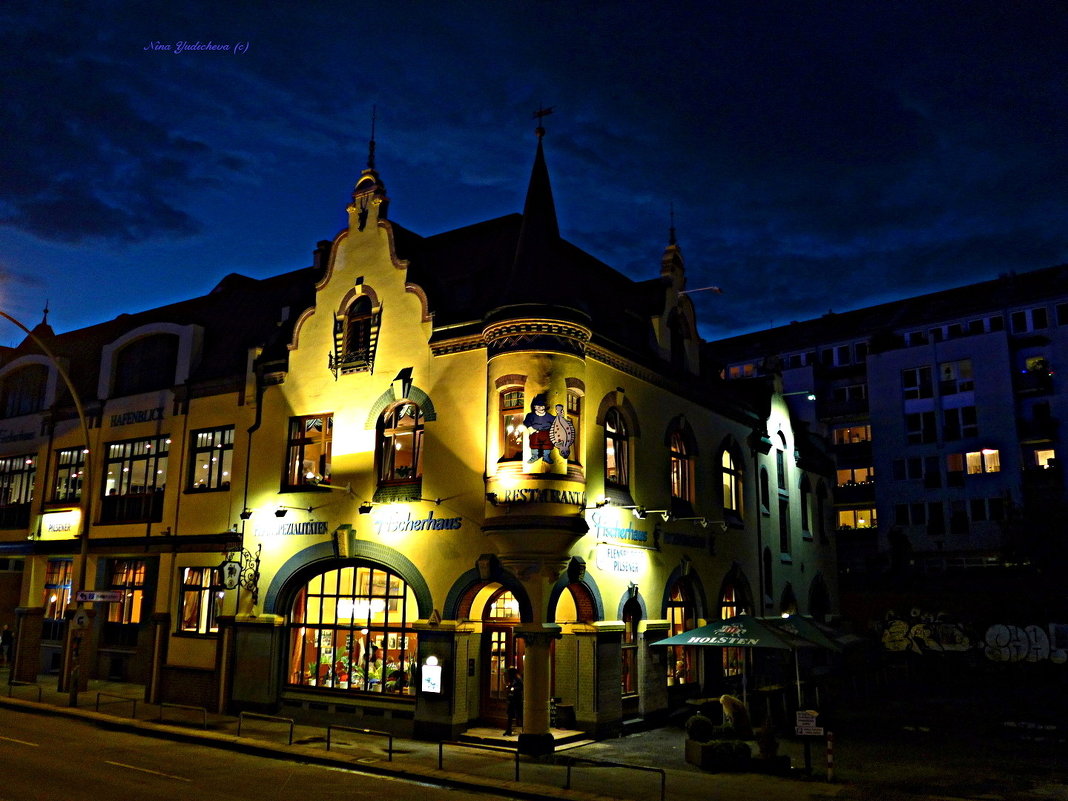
(72, 671)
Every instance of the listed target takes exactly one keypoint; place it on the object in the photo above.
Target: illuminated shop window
(856, 518)
(211, 453)
(400, 444)
(135, 478)
(23, 391)
(511, 416)
(308, 451)
(681, 469)
(201, 595)
(729, 606)
(56, 598)
(70, 473)
(146, 364)
(616, 453)
(349, 631)
(632, 615)
(127, 575)
(17, 476)
(682, 616)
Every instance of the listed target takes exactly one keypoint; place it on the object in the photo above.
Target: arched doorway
(500, 650)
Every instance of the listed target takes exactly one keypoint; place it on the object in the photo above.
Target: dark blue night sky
(819, 155)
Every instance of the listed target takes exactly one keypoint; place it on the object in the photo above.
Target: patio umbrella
(805, 634)
(740, 631)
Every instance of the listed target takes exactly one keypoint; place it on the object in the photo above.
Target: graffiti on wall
(925, 633)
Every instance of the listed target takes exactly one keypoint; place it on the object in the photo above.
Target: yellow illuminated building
(363, 490)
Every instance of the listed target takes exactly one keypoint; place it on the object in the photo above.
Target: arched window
(349, 630)
(788, 602)
(681, 469)
(632, 615)
(23, 391)
(728, 608)
(146, 364)
(511, 428)
(574, 414)
(400, 444)
(732, 483)
(358, 323)
(682, 616)
(616, 450)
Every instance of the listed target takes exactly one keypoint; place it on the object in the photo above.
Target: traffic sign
(805, 725)
(99, 596)
(80, 619)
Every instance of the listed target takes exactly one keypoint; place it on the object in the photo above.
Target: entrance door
(500, 651)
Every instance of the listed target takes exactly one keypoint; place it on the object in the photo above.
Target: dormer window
(146, 364)
(23, 391)
(355, 337)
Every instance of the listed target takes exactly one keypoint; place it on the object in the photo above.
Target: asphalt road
(45, 758)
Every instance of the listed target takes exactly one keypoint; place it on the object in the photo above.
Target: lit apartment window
(916, 383)
(70, 469)
(211, 452)
(850, 435)
(1045, 458)
(400, 444)
(201, 594)
(511, 417)
(616, 455)
(856, 518)
(987, 460)
(308, 451)
(849, 476)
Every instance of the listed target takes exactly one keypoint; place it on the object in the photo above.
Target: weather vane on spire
(371, 148)
(538, 115)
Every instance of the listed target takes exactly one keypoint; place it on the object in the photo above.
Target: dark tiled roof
(984, 298)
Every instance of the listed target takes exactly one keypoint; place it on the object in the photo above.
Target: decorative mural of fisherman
(546, 431)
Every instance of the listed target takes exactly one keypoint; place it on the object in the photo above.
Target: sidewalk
(881, 757)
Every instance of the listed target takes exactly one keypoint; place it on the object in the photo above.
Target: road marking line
(146, 770)
(20, 742)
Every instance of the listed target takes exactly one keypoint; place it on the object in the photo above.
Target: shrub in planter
(701, 729)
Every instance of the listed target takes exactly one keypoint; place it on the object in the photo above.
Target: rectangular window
(987, 460)
(856, 518)
(916, 383)
(211, 453)
(978, 509)
(127, 575)
(936, 519)
(511, 414)
(855, 475)
(70, 468)
(954, 377)
(914, 338)
(1062, 314)
(57, 583)
(995, 323)
(959, 423)
(920, 428)
(860, 352)
(202, 592)
(135, 477)
(17, 475)
(918, 514)
(308, 451)
(850, 435)
(1039, 318)
(842, 355)
(784, 526)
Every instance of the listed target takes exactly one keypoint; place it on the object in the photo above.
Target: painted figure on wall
(548, 431)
